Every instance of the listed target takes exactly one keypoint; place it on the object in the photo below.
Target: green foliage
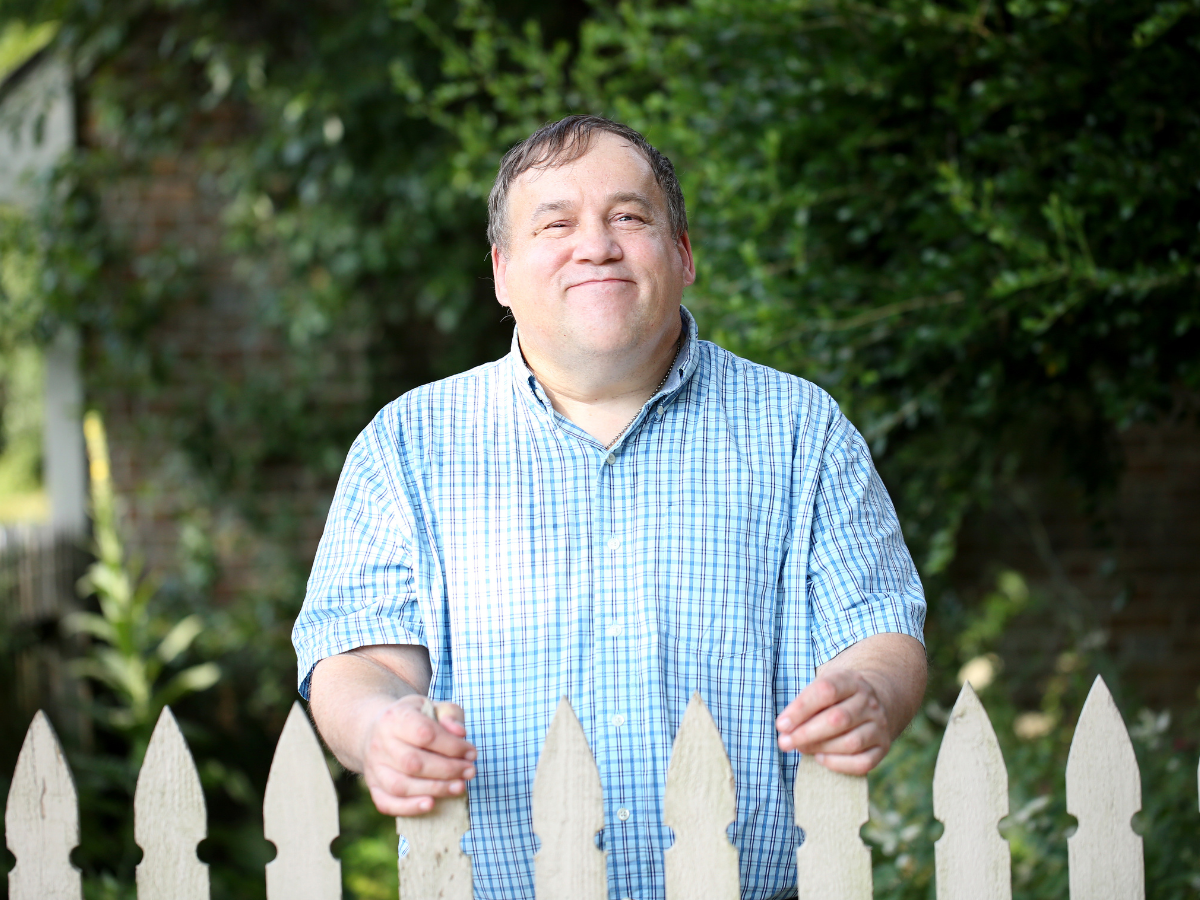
(995, 613)
(132, 645)
(367, 847)
(1035, 744)
(20, 265)
(21, 495)
(975, 224)
(21, 363)
(133, 661)
(19, 41)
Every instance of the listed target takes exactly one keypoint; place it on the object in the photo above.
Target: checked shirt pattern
(735, 538)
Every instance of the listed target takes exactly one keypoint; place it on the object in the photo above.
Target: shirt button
(612, 458)
(618, 720)
(615, 629)
(623, 814)
(661, 409)
(614, 543)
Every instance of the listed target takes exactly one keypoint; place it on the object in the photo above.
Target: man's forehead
(609, 161)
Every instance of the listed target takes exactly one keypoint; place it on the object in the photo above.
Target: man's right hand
(370, 707)
(410, 758)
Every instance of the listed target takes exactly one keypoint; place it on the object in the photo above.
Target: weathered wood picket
(300, 815)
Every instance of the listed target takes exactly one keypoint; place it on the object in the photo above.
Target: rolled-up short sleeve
(861, 577)
(362, 589)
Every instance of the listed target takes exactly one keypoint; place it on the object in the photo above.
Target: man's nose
(596, 242)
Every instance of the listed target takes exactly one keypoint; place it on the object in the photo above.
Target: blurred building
(40, 560)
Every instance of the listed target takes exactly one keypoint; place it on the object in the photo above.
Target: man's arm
(369, 707)
(858, 704)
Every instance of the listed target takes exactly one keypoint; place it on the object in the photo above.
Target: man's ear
(683, 244)
(499, 270)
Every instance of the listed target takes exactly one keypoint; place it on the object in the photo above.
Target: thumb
(447, 713)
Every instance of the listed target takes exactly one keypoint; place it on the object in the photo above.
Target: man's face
(591, 270)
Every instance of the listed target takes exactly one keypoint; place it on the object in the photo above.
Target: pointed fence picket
(41, 820)
(831, 808)
(970, 797)
(169, 818)
(568, 811)
(1104, 790)
(699, 803)
(300, 818)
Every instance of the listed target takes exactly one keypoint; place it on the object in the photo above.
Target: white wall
(37, 126)
(62, 447)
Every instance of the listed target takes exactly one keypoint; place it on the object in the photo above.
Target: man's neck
(603, 395)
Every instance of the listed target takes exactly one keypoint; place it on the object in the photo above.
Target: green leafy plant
(1035, 743)
(133, 648)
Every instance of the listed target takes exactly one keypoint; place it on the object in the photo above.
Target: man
(620, 513)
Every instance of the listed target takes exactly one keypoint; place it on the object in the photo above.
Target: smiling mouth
(603, 281)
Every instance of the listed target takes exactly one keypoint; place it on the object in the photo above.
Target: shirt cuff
(345, 636)
(892, 614)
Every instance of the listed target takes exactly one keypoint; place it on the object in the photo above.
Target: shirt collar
(682, 368)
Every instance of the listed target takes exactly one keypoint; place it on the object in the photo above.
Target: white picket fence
(300, 816)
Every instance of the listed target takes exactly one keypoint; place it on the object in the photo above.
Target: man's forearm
(896, 667)
(351, 690)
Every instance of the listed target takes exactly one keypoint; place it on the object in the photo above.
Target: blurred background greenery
(975, 223)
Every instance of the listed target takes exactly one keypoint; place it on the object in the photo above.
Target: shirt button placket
(618, 651)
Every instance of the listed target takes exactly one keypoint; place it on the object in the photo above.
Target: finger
(400, 806)
(834, 721)
(858, 740)
(820, 694)
(414, 762)
(438, 738)
(855, 764)
(829, 723)
(405, 724)
(448, 719)
(398, 784)
(451, 717)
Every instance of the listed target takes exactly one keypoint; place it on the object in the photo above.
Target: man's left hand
(839, 719)
(859, 702)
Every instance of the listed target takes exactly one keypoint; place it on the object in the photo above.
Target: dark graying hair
(562, 142)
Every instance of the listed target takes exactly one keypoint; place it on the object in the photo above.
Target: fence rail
(300, 815)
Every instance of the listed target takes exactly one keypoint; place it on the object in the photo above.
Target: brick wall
(214, 342)
(1132, 570)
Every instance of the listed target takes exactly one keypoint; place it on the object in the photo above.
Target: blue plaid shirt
(735, 538)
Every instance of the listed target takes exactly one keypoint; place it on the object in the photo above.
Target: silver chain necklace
(621, 433)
